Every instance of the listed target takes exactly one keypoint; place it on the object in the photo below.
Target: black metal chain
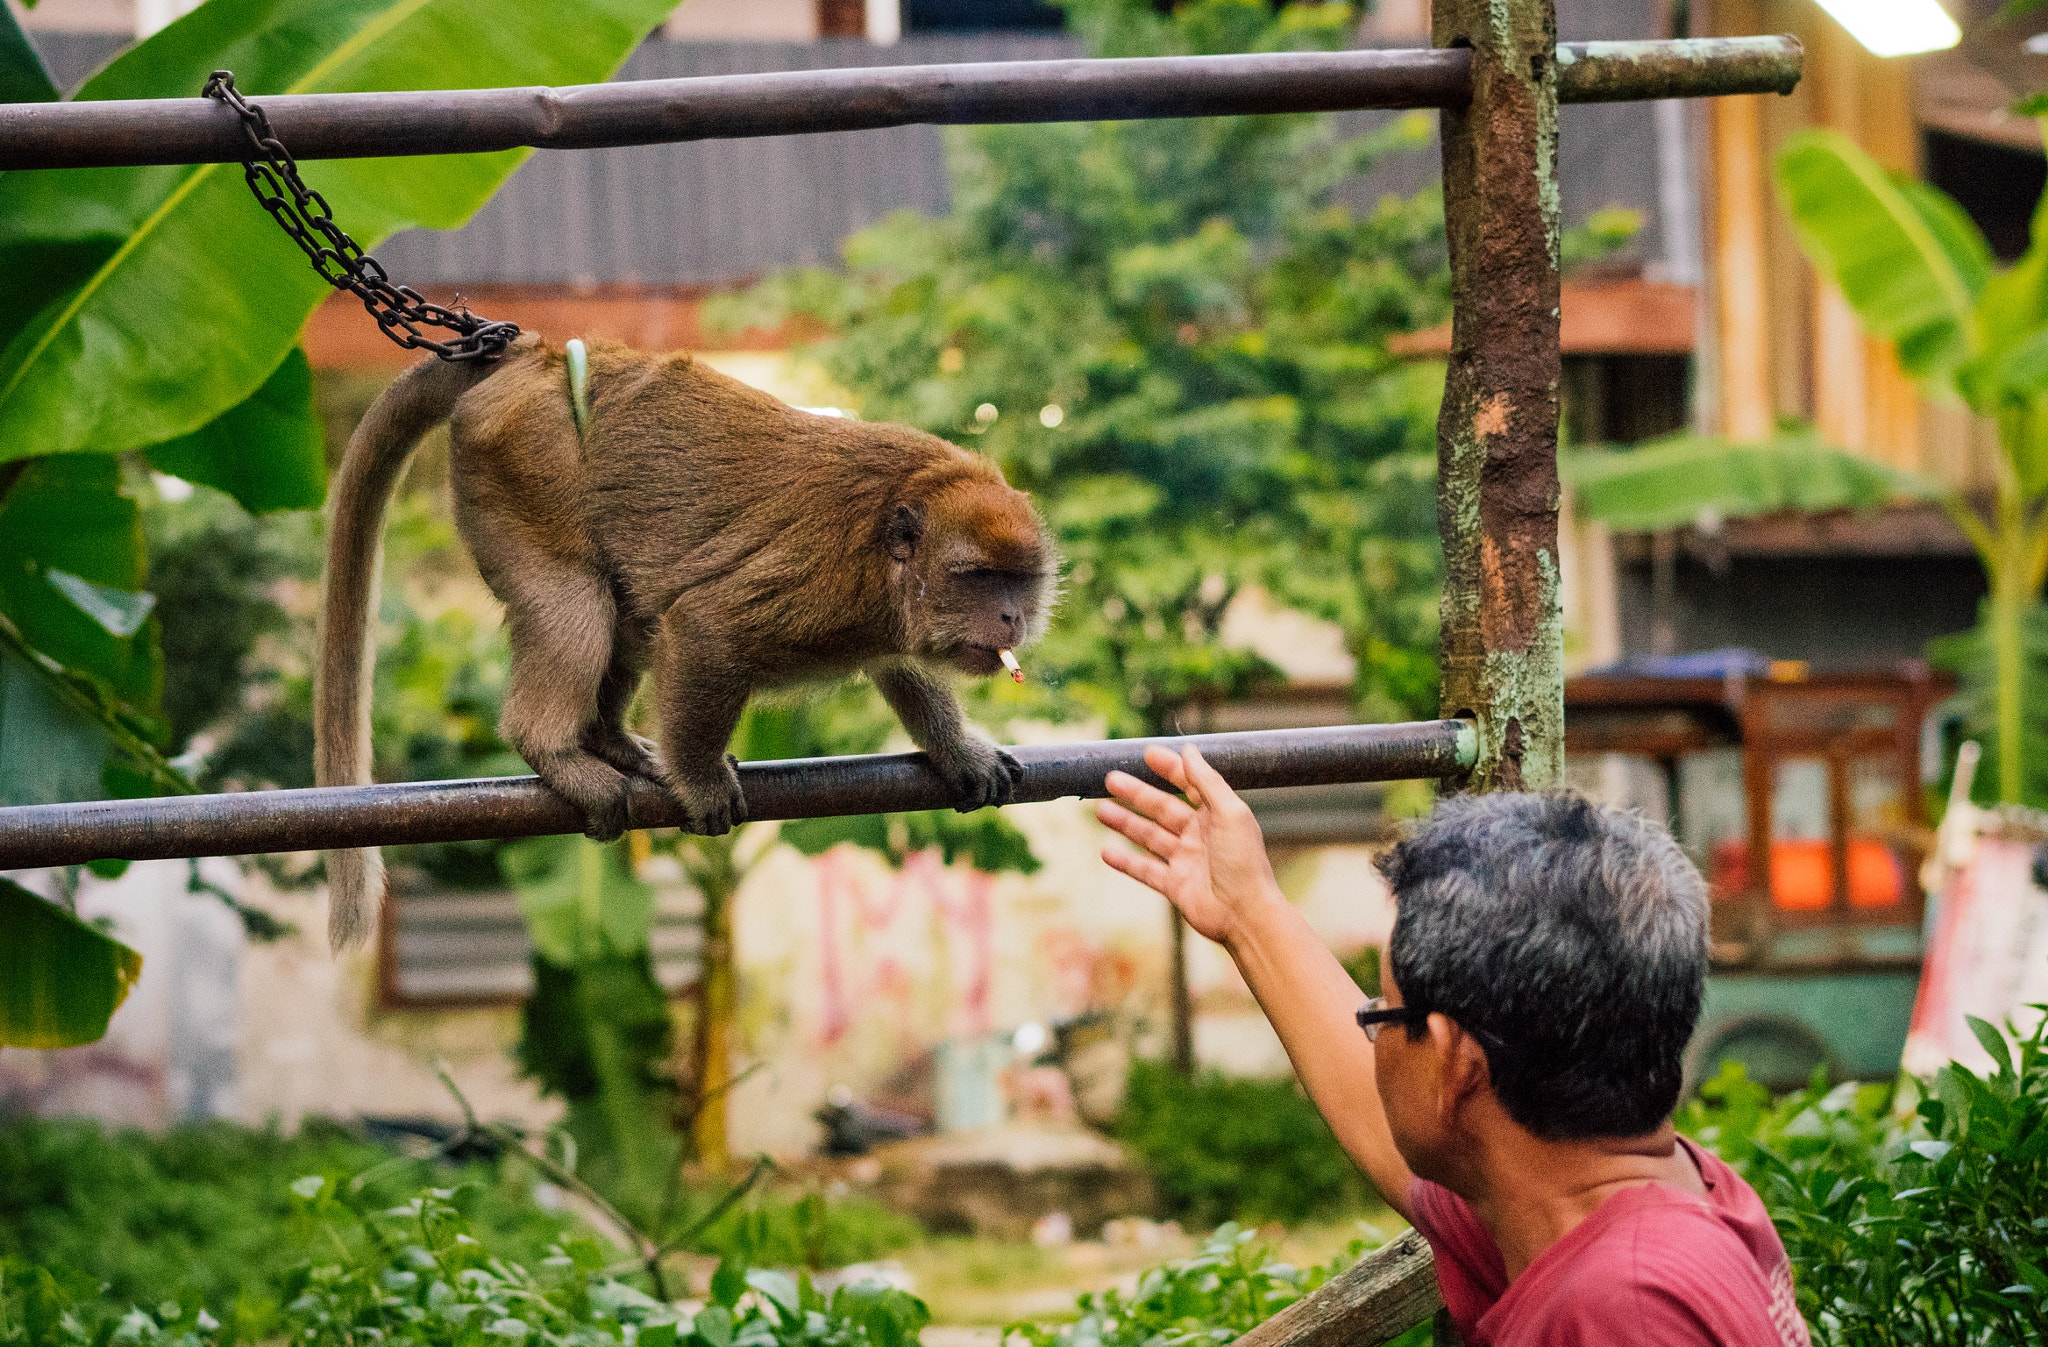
(303, 213)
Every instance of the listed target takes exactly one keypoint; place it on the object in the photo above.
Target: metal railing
(250, 822)
(106, 133)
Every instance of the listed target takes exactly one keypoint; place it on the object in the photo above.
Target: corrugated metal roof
(716, 212)
(706, 211)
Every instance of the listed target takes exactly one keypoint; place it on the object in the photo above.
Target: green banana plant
(156, 312)
(1918, 272)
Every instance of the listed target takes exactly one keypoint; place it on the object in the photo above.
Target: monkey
(697, 528)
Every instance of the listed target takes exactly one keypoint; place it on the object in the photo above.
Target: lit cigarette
(1010, 662)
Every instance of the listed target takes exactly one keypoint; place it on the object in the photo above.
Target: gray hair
(1571, 939)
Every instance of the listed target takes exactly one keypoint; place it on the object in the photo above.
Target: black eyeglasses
(1377, 1012)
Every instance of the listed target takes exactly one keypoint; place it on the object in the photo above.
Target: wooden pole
(1497, 489)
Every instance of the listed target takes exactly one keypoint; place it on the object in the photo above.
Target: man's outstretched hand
(1205, 853)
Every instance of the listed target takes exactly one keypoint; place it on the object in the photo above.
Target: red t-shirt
(1653, 1266)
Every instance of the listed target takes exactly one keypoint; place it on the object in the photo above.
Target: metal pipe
(249, 822)
(108, 133)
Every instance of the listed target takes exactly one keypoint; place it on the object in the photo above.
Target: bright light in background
(1896, 27)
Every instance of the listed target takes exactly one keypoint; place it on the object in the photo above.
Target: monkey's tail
(421, 399)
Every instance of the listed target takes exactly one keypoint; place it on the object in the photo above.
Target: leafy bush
(201, 1212)
(1906, 1225)
(1218, 1295)
(1228, 1148)
(416, 1273)
(812, 1231)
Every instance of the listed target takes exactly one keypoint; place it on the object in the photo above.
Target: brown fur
(704, 529)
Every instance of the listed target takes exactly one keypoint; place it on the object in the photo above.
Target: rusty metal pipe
(250, 822)
(96, 134)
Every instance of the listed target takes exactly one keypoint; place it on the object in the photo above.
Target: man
(1511, 1093)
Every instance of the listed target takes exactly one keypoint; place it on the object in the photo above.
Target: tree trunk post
(1497, 492)
(1181, 1005)
(715, 1002)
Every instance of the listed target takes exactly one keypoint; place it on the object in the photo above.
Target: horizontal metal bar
(1700, 67)
(104, 133)
(249, 822)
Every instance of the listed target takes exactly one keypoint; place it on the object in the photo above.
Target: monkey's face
(977, 575)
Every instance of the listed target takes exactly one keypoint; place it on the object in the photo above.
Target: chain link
(304, 214)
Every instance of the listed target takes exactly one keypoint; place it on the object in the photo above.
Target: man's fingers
(1149, 800)
(1167, 763)
(1147, 870)
(1207, 779)
(1138, 828)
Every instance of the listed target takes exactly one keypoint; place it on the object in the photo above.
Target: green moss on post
(1497, 492)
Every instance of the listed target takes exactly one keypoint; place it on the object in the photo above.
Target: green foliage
(1905, 1227)
(202, 1211)
(582, 901)
(1220, 1294)
(61, 979)
(292, 473)
(158, 310)
(1972, 656)
(1606, 232)
(810, 1231)
(417, 1273)
(22, 77)
(211, 568)
(1174, 338)
(1902, 253)
(1917, 270)
(1677, 481)
(1234, 1148)
(596, 1034)
(71, 568)
(204, 296)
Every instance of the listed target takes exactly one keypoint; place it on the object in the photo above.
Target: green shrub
(1906, 1225)
(1219, 1294)
(812, 1231)
(417, 1275)
(1223, 1148)
(199, 1212)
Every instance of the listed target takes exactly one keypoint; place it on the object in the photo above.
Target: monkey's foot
(628, 752)
(711, 799)
(591, 785)
(979, 773)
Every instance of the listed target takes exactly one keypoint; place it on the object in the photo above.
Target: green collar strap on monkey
(579, 384)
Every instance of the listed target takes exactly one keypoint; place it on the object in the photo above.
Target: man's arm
(1207, 857)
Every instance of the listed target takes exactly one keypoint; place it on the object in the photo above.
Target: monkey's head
(974, 568)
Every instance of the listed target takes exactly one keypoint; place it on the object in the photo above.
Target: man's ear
(1462, 1070)
(902, 531)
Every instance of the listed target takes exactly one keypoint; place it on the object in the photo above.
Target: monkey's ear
(903, 530)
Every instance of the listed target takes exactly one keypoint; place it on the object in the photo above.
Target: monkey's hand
(711, 800)
(980, 773)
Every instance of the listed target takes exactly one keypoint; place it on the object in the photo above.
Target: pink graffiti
(971, 911)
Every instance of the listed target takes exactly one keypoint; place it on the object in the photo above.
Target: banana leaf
(72, 571)
(269, 451)
(204, 295)
(61, 979)
(1680, 480)
(22, 77)
(1905, 257)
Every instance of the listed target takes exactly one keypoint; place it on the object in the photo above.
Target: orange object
(1876, 879)
(1803, 875)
